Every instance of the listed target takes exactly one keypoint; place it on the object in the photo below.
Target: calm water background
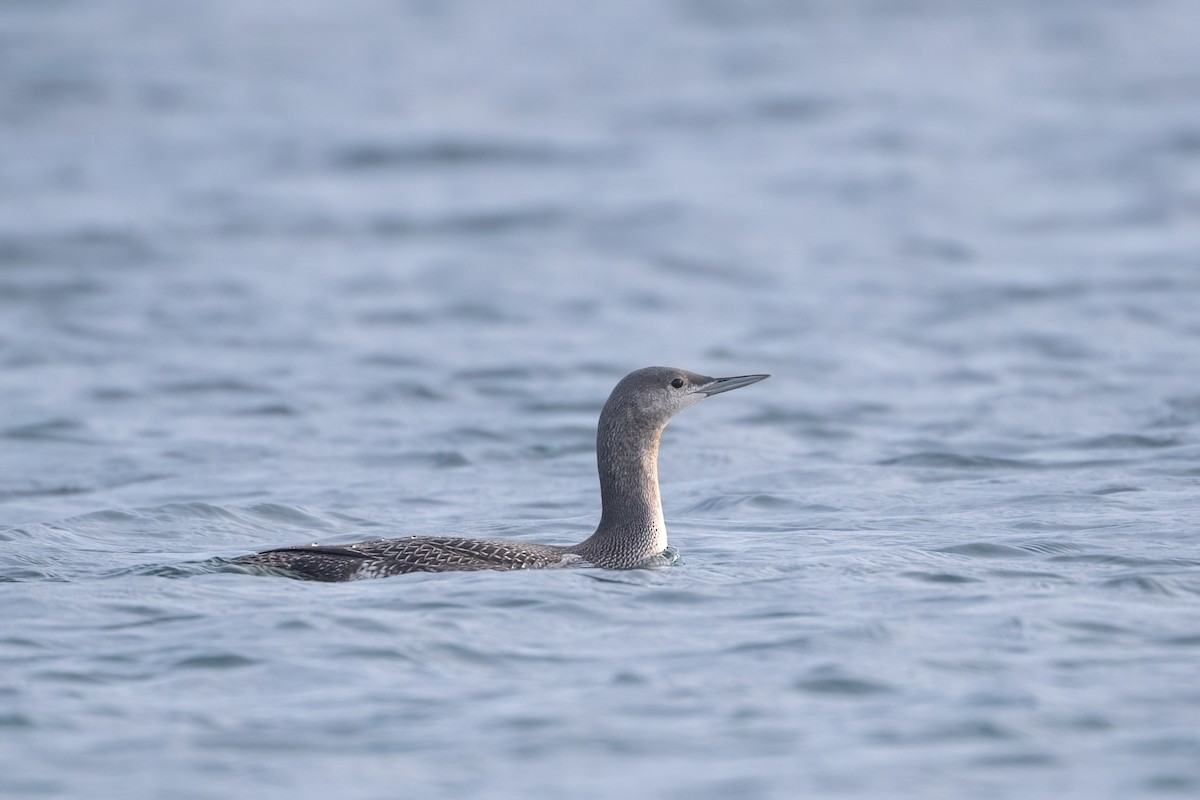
(281, 272)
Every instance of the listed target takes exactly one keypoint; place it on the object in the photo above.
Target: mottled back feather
(384, 557)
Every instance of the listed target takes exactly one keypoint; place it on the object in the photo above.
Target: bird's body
(384, 557)
(631, 532)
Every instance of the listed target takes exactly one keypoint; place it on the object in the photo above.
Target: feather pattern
(385, 557)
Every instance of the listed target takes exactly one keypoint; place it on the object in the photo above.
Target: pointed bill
(718, 385)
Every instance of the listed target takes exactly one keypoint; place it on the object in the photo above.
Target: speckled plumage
(631, 532)
(382, 558)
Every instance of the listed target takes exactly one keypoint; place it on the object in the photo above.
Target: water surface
(276, 273)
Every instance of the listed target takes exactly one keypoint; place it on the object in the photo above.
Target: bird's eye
(677, 383)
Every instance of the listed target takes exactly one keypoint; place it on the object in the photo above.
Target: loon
(631, 533)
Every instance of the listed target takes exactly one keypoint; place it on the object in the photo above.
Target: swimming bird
(631, 532)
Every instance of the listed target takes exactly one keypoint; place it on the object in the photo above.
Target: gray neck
(631, 526)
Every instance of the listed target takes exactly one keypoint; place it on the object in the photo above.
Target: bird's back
(383, 557)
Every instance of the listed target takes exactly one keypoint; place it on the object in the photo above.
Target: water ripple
(450, 152)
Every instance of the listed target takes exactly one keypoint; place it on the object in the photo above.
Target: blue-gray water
(281, 272)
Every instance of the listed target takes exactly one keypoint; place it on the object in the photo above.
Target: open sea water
(282, 272)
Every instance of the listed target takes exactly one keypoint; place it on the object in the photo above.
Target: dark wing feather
(315, 563)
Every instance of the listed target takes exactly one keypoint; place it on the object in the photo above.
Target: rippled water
(274, 273)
